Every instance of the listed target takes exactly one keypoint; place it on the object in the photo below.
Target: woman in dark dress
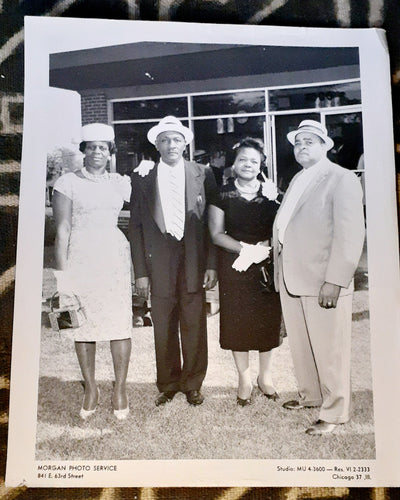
(240, 222)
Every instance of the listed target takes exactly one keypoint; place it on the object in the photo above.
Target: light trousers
(320, 343)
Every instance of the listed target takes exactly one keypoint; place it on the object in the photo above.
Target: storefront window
(327, 96)
(346, 132)
(232, 103)
(150, 108)
(220, 120)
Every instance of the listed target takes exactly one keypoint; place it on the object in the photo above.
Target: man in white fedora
(318, 240)
(174, 258)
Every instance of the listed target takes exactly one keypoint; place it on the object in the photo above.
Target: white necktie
(178, 209)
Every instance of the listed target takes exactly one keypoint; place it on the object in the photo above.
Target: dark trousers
(183, 313)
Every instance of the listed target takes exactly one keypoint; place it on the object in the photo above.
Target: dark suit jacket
(150, 245)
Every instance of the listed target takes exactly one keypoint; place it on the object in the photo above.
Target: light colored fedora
(169, 124)
(97, 132)
(313, 127)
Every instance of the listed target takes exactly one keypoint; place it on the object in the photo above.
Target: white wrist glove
(260, 252)
(64, 282)
(245, 259)
(241, 264)
(250, 254)
(144, 167)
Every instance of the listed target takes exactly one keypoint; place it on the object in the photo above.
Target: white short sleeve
(123, 183)
(64, 185)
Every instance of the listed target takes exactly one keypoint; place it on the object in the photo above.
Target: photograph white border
(50, 35)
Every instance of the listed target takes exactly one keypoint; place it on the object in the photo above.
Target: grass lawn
(217, 429)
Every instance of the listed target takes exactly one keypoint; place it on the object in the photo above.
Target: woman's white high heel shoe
(85, 414)
(122, 414)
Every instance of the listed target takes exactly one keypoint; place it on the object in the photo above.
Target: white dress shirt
(164, 186)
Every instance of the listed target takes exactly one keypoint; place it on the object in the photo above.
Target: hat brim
(158, 129)
(291, 136)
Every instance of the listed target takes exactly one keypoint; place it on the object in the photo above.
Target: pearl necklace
(249, 189)
(95, 178)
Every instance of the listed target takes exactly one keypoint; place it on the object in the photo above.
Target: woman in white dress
(93, 262)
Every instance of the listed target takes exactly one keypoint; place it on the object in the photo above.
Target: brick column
(94, 108)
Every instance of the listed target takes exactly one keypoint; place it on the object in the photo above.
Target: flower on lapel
(144, 167)
(269, 189)
(199, 199)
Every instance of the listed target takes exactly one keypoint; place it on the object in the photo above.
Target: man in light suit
(318, 240)
(173, 256)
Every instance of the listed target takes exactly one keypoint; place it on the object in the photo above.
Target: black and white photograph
(204, 257)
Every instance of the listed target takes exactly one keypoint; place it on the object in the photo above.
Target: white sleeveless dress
(99, 255)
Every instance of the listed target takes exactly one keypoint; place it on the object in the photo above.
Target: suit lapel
(194, 178)
(320, 177)
(152, 195)
(316, 181)
(287, 193)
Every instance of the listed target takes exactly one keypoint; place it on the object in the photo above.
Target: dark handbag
(267, 275)
(63, 318)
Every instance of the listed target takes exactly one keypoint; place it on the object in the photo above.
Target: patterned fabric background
(321, 13)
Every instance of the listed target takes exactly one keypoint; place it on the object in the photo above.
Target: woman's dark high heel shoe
(274, 396)
(243, 402)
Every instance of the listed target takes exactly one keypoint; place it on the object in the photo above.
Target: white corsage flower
(144, 167)
(269, 189)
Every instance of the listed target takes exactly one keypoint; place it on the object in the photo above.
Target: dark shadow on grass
(218, 429)
(360, 315)
(45, 318)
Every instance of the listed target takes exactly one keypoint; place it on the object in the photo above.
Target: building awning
(152, 63)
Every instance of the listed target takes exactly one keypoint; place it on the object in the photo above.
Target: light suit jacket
(324, 237)
(149, 241)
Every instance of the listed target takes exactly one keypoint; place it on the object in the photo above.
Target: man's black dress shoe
(165, 397)
(296, 405)
(194, 397)
(320, 427)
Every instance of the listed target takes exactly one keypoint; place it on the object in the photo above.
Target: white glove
(250, 254)
(144, 167)
(64, 282)
(245, 259)
(241, 264)
(259, 252)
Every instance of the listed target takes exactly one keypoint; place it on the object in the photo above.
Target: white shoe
(122, 414)
(85, 414)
